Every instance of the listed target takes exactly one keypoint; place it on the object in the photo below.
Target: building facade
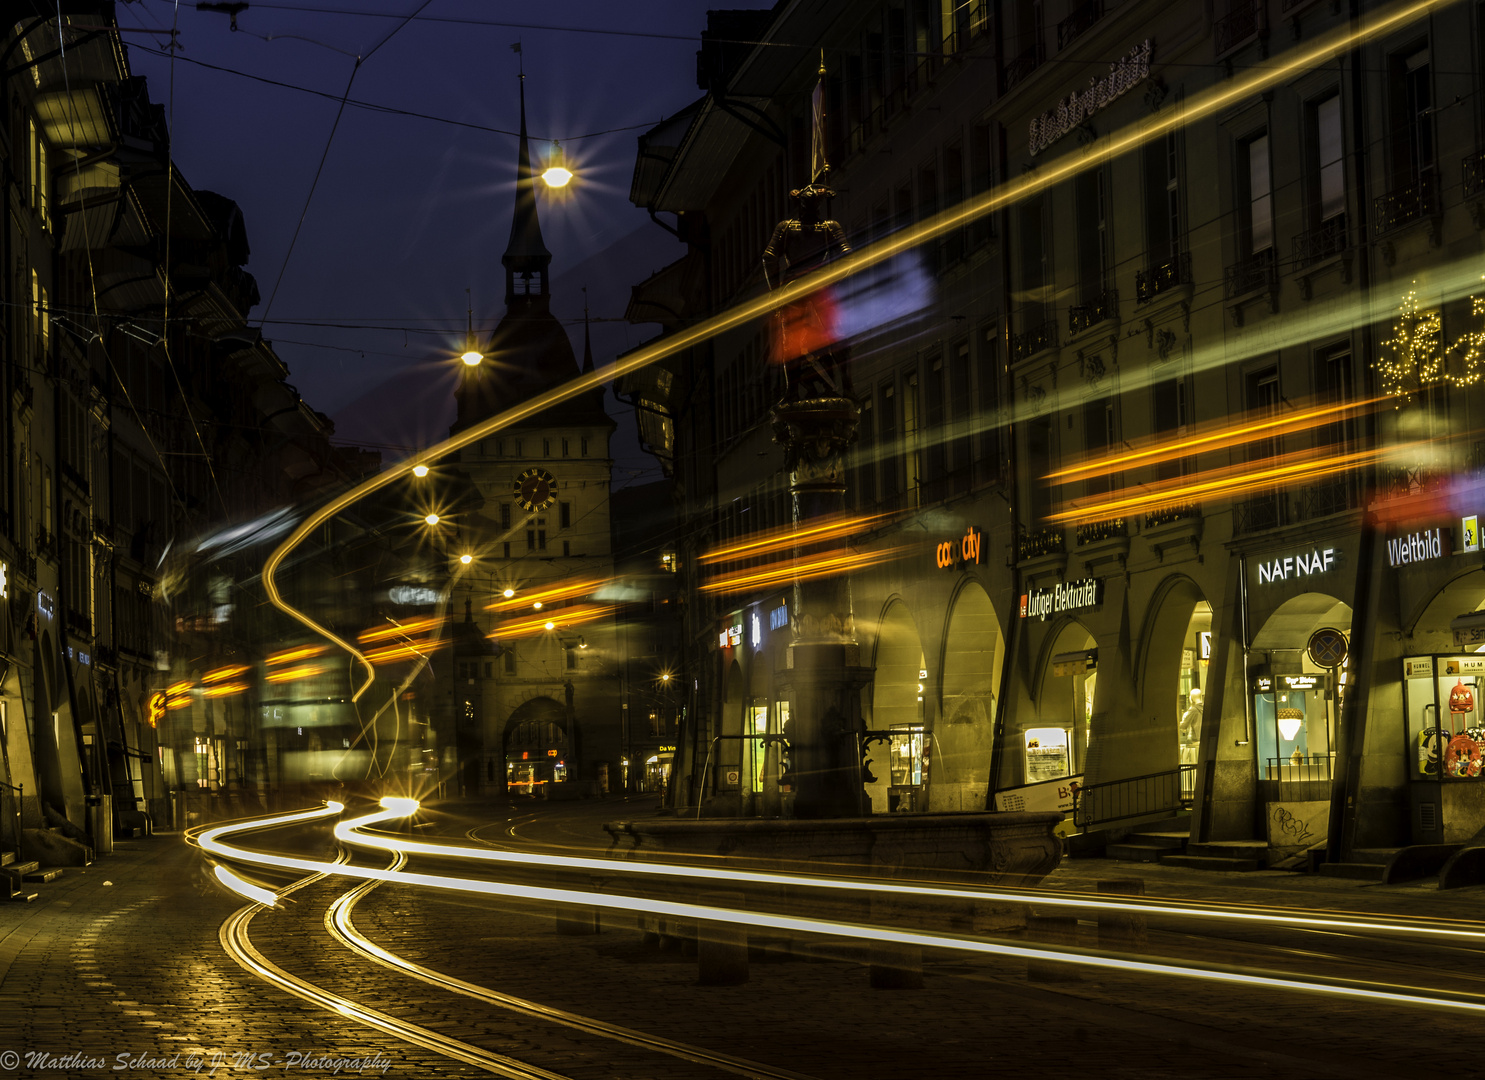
(1170, 437)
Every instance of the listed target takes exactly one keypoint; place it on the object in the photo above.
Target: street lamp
(431, 519)
(557, 173)
(471, 356)
(420, 471)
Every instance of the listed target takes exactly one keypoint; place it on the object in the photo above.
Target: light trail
(1222, 437)
(338, 923)
(788, 538)
(558, 618)
(824, 564)
(1206, 972)
(568, 590)
(1198, 106)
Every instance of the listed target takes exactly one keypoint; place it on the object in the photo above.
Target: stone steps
(1134, 850)
(1356, 871)
(1230, 863)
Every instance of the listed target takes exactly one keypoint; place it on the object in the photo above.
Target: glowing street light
(420, 470)
(466, 559)
(557, 173)
(550, 625)
(431, 519)
(508, 593)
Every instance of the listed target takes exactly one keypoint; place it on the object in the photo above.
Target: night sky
(410, 211)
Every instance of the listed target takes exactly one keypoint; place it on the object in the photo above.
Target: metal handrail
(1141, 796)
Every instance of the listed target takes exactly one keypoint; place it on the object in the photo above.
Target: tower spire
(526, 257)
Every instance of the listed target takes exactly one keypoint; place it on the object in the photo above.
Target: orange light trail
(562, 591)
(222, 674)
(407, 629)
(826, 564)
(303, 671)
(404, 650)
(302, 652)
(1223, 437)
(787, 538)
(1275, 472)
(1199, 106)
(536, 624)
(225, 689)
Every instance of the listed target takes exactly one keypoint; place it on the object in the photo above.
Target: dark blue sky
(409, 212)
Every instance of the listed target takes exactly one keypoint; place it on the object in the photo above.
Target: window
(541, 539)
(505, 516)
(510, 661)
(1039, 457)
(584, 446)
(1257, 187)
(1411, 106)
(489, 669)
(564, 447)
(564, 513)
(566, 548)
(518, 448)
(953, 196)
(1330, 173)
(1265, 403)
(506, 549)
(1098, 437)
(530, 539)
(987, 377)
(887, 445)
(1033, 264)
(982, 176)
(1333, 386)
(1170, 418)
(866, 467)
(911, 447)
(40, 175)
(571, 658)
(1163, 199)
(1091, 196)
(546, 448)
(935, 463)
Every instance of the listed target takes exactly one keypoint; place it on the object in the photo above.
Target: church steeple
(526, 258)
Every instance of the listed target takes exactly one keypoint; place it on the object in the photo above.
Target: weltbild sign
(1417, 547)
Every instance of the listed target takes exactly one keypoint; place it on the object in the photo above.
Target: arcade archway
(964, 735)
(899, 763)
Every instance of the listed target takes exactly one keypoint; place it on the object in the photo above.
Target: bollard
(722, 948)
(1122, 930)
(1052, 930)
(577, 921)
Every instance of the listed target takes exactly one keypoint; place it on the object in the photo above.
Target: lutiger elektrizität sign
(1065, 596)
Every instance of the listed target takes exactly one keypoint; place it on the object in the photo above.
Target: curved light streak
(338, 923)
(256, 893)
(1202, 971)
(1198, 106)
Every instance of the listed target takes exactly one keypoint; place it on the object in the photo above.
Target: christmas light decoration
(1412, 357)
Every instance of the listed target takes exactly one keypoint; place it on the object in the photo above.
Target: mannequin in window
(1190, 728)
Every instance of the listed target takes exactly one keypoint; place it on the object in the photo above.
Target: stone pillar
(824, 679)
(1122, 931)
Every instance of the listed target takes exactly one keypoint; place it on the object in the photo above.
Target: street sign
(1327, 648)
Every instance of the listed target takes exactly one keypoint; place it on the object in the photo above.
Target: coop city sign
(965, 550)
(1066, 596)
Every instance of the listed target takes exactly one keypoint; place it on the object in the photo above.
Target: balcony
(1258, 514)
(1320, 243)
(1404, 481)
(1037, 544)
(1258, 273)
(1017, 68)
(1405, 205)
(1246, 21)
(1169, 515)
(1095, 531)
(1474, 175)
(1335, 495)
(1035, 340)
(1162, 279)
(1101, 307)
(1082, 17)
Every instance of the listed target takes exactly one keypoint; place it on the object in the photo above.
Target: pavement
(122, 958)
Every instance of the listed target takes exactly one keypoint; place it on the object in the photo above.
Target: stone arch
(969, 682)
(1428, 622)
(538, 723)
(1063, 701)
(896, 699)
(1171, 692)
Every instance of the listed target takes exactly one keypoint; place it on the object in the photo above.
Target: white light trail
(1342, 988)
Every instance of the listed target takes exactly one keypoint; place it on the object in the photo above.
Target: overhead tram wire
(339, 112)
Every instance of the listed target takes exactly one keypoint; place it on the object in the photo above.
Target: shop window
(1294, 716)
(1443, 701)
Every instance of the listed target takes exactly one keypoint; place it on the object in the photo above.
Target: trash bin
(100, 823)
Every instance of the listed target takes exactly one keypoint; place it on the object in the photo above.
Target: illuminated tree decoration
(1412, 357)
(1471, 347)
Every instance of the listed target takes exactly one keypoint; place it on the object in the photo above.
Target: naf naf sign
(1289, 567)
(1417, 547)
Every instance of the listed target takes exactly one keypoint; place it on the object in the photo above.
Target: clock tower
(535, 702)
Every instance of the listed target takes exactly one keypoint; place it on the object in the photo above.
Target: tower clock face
(536, 489)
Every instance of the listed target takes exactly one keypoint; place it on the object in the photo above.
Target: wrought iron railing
(1167, 515)
(1400, 481)
(1406, 204)
(1258, 513)
(1245, 21)
(1303, 768)
(1017, 68)
(1103, 306)
(1335, 495)
(1034, 340)
(1042, 542)
(1137, 796)
(1324, 240)
(1474, 174)
(1148, 284)
(1094, 531)
(1256, 272)
(1082, 17)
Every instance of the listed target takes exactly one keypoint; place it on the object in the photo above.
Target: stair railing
(1134, 796)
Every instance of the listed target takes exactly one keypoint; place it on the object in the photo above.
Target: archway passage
(1176, 654)
(899, 764)
(964, 735)
(536, 747)
(1296, 704)
(1054, 743)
